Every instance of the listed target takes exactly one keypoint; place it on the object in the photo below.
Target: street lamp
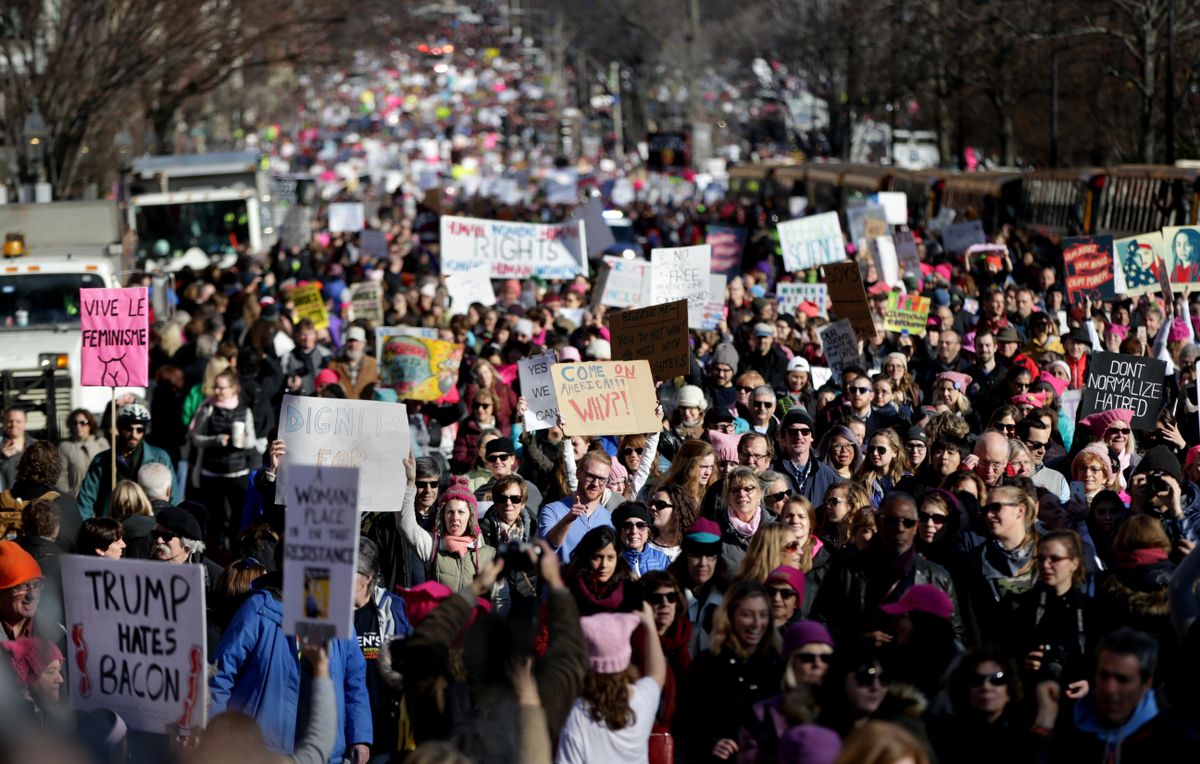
(35, 134)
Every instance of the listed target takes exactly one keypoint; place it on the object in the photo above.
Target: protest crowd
(780, 499)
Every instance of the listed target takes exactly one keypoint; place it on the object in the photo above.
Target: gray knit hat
(724, 353)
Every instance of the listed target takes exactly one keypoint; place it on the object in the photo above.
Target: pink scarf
(458, 545)
(228, 405)
(744, 528)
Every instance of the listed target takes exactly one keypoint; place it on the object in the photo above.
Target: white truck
(51, 252)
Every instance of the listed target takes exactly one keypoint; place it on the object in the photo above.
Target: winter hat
(631, 510)
(803, 633)
(356, 333)
(793, 577)
(523, 326)
(420, 600)
(30, 656)
(1059, 385)
(607, 636)
(1037, 400)
(764, 330)
(1007, 334)
(690, 397)
(1160, 459)
(1192, 454)
(1099, 422)
(916, 434)
(809, 744)
(570, 353)
(599, 350)
(799, 363)
(180, 522)
(1121, 330)
(460, 490)
(703, 538)
(16, 565)
(1179, 331)
(796, 415)
(617, 474)
(725, 444)
(326, 377)
(922, 598)
(897, 357)
(957, 378)
(725, 353)
(499, 446)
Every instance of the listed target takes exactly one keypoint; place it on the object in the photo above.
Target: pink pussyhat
(607, 636)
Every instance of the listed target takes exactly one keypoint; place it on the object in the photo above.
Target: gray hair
(368, 558)
(193, 546)
(764, 391)
(156, 479)
(427, 467)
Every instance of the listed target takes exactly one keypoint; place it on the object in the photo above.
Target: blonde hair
(765, 552)
(806, 552)
(723, 635)
(868, 475)
(882, 743)
(128, 499)
(216, 364)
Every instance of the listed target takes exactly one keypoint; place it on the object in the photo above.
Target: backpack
(11, 508)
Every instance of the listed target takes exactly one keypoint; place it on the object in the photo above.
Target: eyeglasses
(995, 679)
(881, 450)
(743, 488)
(427, 485)
(799, 432)
(659, 506)
(895, 522)
(859, 390)
(995, 507)
(165, 536)
(746, 456)
(590, 478)
(1035, 445)
(661, 598)
(764, 404)
(782, 592)
(811, 658)
(507, 499)
(929, 517)
(629, 451)
(482, 406)
(992, 464)
(916, 445)
(493, 458)
(771, 498)
(1117, 431)
(722, 370)
(1093, 469)
(744, 389)
(1053, 559)
(842, 447)
(32, 587)
(867, 677)
(634, 526)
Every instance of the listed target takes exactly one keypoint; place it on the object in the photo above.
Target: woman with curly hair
(985, 693)
(674, 511)
(615, 712)
(78, 449)
(485, 379)
(694, 468)
(886, 463)
(840, 502)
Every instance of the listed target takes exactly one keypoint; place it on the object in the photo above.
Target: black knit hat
(180, 522)
(1160, 459)
(631, 510)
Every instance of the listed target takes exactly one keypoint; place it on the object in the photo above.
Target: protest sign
(906, 253)
(895, 206)
(811, 241)
(1183, 255)
(727, 245)
(537, 387)
(320, 552)
(681, 273)
(841, 345)
(346, 216)
(1138, 261)
(667, 152)
(884, 251)
(561, 186)
(337, 432)
(136, 640)
(310, 304)
(366, 301)
(848, 296)
(514, 250)
(820, 375)
(468, 287)
(599, 235)
(606, 397)
(906, 313)
(427, 332)
(873, 228)
(857, 217)
(628, 282)
(115, 337)
(714, 309)
(957, 237)
(658, 334)
(420, 369)
(372, 243)
(790, 295)
(1116, 381)
(1088, 261)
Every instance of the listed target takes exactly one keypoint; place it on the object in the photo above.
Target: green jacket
(97, 483)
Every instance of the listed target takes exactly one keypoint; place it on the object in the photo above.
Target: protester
(78, 449)
(133, 420)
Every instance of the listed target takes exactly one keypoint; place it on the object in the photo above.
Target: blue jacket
(258, 673)
(645, 561)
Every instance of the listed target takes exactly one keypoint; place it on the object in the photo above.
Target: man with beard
(177, 540)
(133, 420)
(563, 523)
(357, 372)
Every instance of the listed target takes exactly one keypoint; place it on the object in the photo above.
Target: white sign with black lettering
(537, 386)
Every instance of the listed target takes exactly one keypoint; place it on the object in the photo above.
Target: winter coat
(210, 424)
(646, 560)
(446, 567)
(1138, 597)
(97, 484)
(77, 456)
(257, 672)
(368, 377)
(716, 692)
(466, 446)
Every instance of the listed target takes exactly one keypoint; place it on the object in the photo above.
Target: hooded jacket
(257, 672)
(1149, 736)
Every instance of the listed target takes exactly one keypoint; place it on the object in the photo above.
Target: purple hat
(703, 538)
(793, 577)
(809, 744)
(922, 598)
(803, 633)
(607, 636)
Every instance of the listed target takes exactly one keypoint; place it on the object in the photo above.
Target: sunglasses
(630, 451)
(799, 432)
(792, 546)
(859, 390)
(165, 536)
(661, 598)
(866, 677)
(498, 457)
(996, 507)
(1117, 431)
(81, 423)
(1034, 445)
(634, 526)
(896, 522)
(745, 389)
(483, 406)
(427, 484)
(515, 499)
(782, 592)
(995, 679)
(764, 405)
(881, 450)
(771, 498)
(135, 428)
(926, 517)
(1053, 559)
(659, 506)
(811, 658)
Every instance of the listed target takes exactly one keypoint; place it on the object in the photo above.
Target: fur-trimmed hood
(1137, 594)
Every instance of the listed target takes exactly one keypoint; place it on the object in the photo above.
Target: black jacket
(717, 694)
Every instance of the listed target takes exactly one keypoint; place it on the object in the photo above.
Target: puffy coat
(257, 672)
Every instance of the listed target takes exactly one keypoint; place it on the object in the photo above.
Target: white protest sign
(347, 216)
(470, 287)
(857, 217)
(370, 435)
(714, 309)
(821, 375)
(841, 345)
(599, 235)
(895, 206)
(424, 332)
(682, 273)
(513, 250)
(136, 640)
(537, 387)
(790, 295)
(884, 249)
(811, 241)
(366, 301)
(628, 283)
(320, 552)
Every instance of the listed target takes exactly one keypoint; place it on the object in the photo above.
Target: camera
(1054, 662)
(516, 557)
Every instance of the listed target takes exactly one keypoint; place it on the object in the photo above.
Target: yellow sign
(311, 305)
(906, 313)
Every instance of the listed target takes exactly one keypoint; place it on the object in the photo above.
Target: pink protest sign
(116, 337)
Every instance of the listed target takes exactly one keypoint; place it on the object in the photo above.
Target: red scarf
(1139, 557)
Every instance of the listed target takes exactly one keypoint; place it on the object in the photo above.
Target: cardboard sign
(681, 273)
(349, 216)
(658, 334)
(537, 387)
(895, 206)
(906, 253)
(1116, 381)
(310, 304)
(627, 284)
(136, 640)
(115, 337)
(470, 287)
(714, 309)
(811, 241)
(1183, 255)
(848, 296)
(790, 295)
(333, 432)
(841, 345)
(857, 217)
(1138, 261)
(599, 235)
(957, 237)
(906, 313)
(606, 397)
(1089, 268)
(419, 369)
(372, 243)
(366, 301)
(728, 244)
(514, 250)
(320, 552)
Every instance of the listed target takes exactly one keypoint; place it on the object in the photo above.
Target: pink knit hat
(960, 380)
(1179, 331)
(608, 645)
(1037, 400)
(1121, 330)
(1059, 385)
(30, 656)
(617, 474)
(725, 444)
(1099, 422)
(793, 577)
(459, 489)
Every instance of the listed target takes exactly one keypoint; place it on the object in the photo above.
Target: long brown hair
(683, 468)
(607, 696)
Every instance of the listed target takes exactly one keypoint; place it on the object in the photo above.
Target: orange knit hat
(16, 565)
